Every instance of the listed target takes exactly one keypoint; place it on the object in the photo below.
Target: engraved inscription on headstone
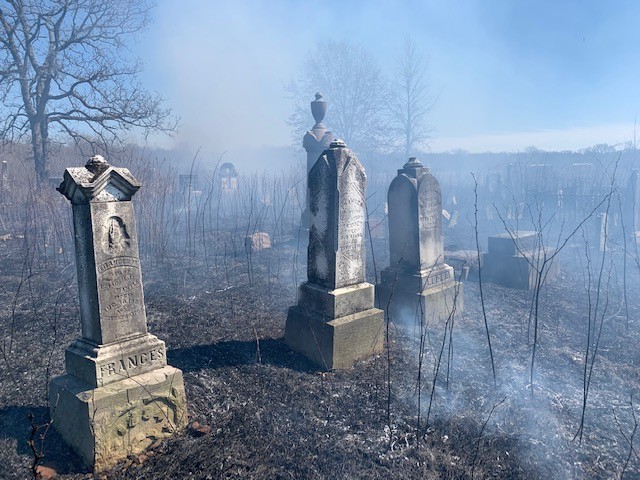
(336, 255)
(351, 224)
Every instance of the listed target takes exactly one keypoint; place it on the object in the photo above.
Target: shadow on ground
(269, 351)
(14, 424)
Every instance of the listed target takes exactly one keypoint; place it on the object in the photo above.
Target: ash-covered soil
(258, 410)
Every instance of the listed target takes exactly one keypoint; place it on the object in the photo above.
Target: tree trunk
(39, 140)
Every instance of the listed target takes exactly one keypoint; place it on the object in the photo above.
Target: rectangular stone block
(106, 424)
(418, 281)
(516, 271)
(336, 303)
(338, 343)
(505, 244)
(434, 304)
(100, 365)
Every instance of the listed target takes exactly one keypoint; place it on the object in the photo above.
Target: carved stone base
(435, 303)
(335, 343)
(336, 303)
(100, 365)
(105, 424)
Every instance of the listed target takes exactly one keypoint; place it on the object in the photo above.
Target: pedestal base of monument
(334, 328)
(100, 365)
(408, 298)
(106, 424)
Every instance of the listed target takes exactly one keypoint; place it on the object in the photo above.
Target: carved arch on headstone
(117, 238)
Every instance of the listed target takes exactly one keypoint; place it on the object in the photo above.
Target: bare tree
(409, 102)
(65, 71)
(353, 85)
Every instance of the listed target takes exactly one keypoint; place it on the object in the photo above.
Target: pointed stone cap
(337, 143)
(98, 181)
(413, 168)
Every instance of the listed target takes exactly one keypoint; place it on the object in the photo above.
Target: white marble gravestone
(417, 282)
(335, 322)
(118, 395)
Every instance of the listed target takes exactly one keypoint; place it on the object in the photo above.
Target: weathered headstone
(513, 258)
(315, 142)
(258, 241)
(228, 177)
(418, 281)
(335, 322)
(118, 395)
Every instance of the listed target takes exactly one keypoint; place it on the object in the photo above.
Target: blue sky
(507, 73)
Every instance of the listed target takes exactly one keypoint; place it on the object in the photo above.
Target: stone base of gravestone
(99, 365)
(511, 258)
(432, 294)
(106, 424)
(335, 328)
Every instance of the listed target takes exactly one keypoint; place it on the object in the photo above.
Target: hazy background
(558, 75)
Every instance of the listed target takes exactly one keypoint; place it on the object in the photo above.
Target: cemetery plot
(426, 406)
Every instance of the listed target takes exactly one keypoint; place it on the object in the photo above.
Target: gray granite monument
(512, 259)
(335, 322)
(315, 141)
(417, 281)
(118, 395)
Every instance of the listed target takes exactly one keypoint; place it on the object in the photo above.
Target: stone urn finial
(318, 108)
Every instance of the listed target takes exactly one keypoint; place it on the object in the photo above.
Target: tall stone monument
(118, 395)
(315, 142)
(335, 322)
(418, 281)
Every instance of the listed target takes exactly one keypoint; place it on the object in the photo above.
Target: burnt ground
(259, 410)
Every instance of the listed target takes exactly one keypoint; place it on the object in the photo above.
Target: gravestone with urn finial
(417, 282)
(118, 395)
(315, 141)
(335, 322)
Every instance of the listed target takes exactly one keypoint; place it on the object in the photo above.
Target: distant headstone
(417, 279)
(118, 395)
(513, 258)
(315, 141)
(335, 322)
(258, 241)
(228, 177)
